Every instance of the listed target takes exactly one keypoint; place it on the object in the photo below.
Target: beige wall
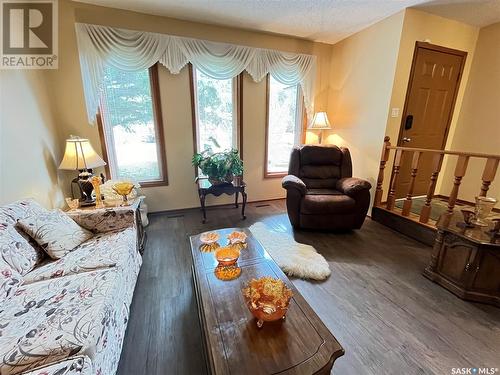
(29, 144)
(361, 81)
(181, 192)
(478, 125)
(422, 26)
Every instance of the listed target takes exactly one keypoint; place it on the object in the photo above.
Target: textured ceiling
(320, 20)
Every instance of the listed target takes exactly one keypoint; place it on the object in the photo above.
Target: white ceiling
(320, 20)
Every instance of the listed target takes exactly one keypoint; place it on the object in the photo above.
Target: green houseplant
(220, 167)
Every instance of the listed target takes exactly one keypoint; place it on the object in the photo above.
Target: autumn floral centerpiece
(267, 299)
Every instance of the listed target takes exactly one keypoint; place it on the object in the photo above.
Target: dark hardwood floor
(386, 315)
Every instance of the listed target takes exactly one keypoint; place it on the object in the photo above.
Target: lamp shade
(79, 154)
(320, 121)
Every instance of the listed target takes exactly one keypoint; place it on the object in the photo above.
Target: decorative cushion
(13, 212)
(10, 280)
(16, 251)
(55, 232)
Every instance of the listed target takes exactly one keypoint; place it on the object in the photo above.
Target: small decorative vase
(96, 183)
(468, 218)
(484, 205)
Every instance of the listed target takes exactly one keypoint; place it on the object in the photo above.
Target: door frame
(432, 47)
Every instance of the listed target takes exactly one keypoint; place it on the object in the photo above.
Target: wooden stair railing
(489, 172)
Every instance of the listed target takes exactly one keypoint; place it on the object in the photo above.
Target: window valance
(132, 50)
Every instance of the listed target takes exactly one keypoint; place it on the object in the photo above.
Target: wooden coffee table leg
(244, 194)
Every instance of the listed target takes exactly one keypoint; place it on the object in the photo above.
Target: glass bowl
(237, 237)
(227, 256)
(208, 238)
(227, 273)
(267, 299)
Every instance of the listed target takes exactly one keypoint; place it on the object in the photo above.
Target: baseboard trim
(181, 210)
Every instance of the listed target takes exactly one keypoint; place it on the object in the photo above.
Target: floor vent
(175, 216)
(262, 205)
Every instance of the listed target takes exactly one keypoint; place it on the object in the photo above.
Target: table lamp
(320, 122)
(80, 155)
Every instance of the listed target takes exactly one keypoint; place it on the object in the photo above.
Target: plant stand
(205, 188)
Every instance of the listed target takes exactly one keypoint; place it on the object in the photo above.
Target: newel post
(380, 179)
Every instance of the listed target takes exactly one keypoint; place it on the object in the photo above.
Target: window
(216, 119)
(131, 126)
(284, 125)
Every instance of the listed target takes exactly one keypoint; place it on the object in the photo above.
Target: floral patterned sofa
(68, 316)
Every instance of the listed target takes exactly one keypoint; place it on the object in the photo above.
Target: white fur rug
(295, 259)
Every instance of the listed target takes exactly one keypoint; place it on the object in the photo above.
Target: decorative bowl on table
(209, 238)
(227, 255)
(227, 273)
(237, 237)
(123, 189)
(267, 299)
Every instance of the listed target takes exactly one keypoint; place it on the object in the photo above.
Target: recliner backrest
(320, 166)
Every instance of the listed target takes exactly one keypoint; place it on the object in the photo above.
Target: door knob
(406, 139)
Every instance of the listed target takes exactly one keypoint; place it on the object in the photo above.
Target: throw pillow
(16, 250)
(9, 280)
(55, 232)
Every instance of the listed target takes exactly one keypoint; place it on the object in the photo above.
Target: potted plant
(219, 167)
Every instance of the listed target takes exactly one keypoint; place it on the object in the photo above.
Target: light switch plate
(394, 112)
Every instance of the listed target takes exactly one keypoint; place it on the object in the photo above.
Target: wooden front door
(430, 99)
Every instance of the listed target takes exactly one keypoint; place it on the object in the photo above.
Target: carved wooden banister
(437, 162)
(489, 172)
(414, 169)
(380, 179)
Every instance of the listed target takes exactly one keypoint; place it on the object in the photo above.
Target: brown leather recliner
(321, 192)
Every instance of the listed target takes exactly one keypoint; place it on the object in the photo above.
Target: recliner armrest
(293, 182)
(351, 186)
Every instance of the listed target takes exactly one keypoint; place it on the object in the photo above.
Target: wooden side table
(466, 261)
(134, 205)
(205, 188)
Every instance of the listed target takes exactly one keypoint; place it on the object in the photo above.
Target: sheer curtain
(131, 50)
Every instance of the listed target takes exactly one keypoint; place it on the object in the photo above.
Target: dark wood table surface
(233, 343)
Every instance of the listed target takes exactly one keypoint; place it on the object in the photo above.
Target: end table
(466, 261)
(205, 187)
(114, 205)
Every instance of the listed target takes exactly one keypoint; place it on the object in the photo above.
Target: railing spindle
(489, 172)
(437, 162)
(380, 179)
(394, 179)
(460, 168)
(414, 170)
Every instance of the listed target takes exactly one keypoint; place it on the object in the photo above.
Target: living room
(144, 94)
